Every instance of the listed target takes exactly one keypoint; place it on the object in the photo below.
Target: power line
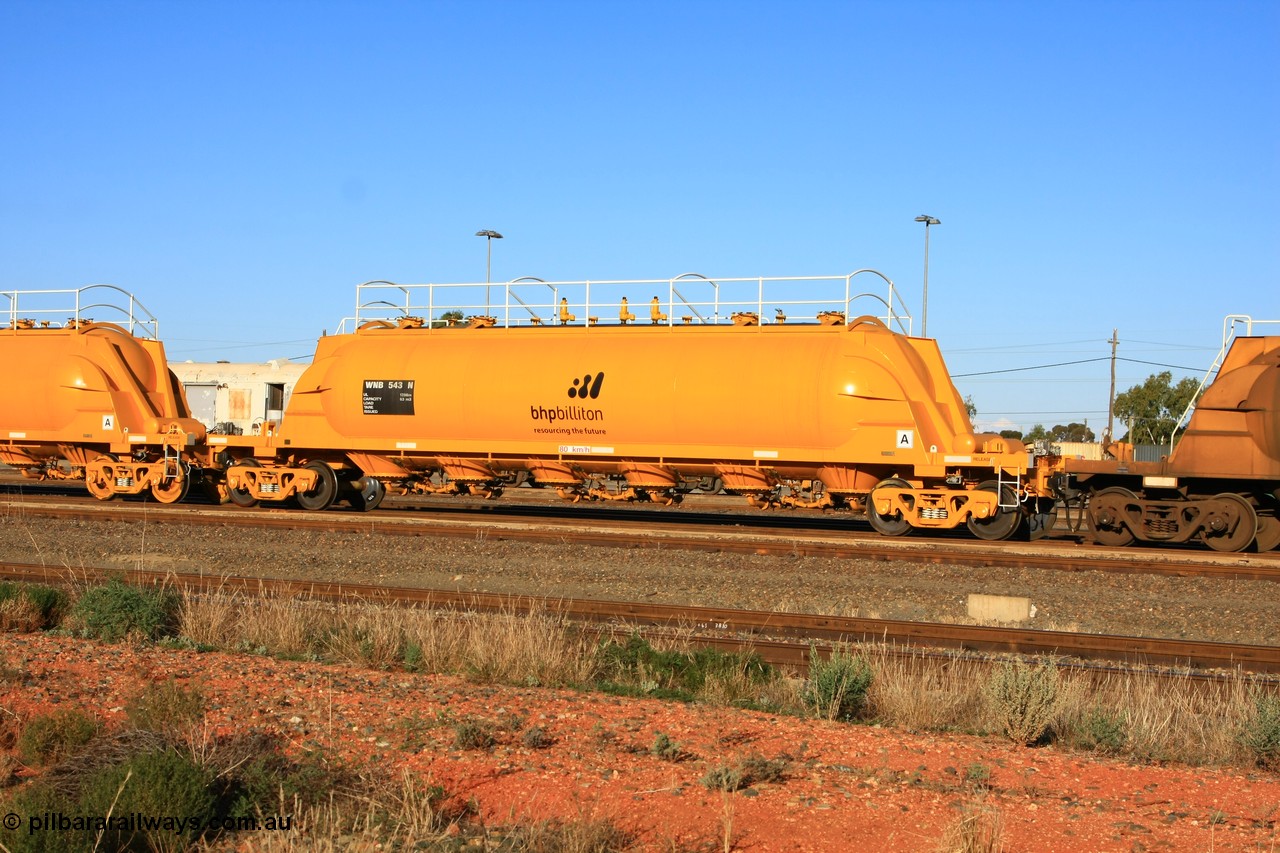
(1068, 363)
(1022, 346)
(1171, 346)
(1068, 412)
(1158, 364)
(1033, 367)
(222, 347)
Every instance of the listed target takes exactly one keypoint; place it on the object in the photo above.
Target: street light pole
(488, 263)
(924, 316)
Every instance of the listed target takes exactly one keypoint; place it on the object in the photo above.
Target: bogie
(1225, 522)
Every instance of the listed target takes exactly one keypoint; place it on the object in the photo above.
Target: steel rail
(726, 536)
(758, 629)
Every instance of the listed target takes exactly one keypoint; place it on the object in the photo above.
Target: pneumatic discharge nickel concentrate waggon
(705, 385)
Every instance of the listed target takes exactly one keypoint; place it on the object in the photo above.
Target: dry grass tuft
(404, 813)
(534, 649)
(922, 692)
(20, 615)
(582, 836)
(979, 829)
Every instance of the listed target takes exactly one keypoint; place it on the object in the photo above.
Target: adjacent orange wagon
(95, 395)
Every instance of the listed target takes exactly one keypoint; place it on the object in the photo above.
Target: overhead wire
(1068, 363)
(1033, 367)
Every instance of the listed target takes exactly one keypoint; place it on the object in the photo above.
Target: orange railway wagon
(1220, 484)
(92, 400)
(575, 392)
(774, 389)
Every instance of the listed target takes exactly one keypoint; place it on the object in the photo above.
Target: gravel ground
(1100, 602)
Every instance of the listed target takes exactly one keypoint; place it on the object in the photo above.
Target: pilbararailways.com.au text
(138, 822)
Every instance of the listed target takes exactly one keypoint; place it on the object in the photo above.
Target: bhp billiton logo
(587, 387)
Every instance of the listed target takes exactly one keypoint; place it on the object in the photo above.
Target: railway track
(779, 638)
(674, 531)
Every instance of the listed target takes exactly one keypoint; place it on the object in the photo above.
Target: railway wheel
(1268, 537)
(1107, 510)
(99, 484)
(1043, 518)
(325, 491)
(171, 489)
(891, 524)
(1236, 526)
(370, 497)
(1005, 522)
(243, 497)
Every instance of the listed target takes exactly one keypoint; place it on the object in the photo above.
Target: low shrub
(537, 738)
(667, 749)
(723, 777)
(56, 736)
(1100, 730)
(10, 673)
(269, 778)
(637, 668)
(473, 734)
(413, 657)
(154, 783)
(1023, 699)
(117, 610)
(977, 775)
(837, 686)
(744, 773)
(167, 708)
(158, 783)
(40, 799)
(1261, 731)
(30, 607)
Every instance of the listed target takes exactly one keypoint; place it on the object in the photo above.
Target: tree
(445, 317)
(970, 407)
(1152, 409)
(1071, 432)
(1011, 433)
(1036, 433)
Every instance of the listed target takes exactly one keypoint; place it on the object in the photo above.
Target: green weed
(1261, 732)
(837, 686)
(116, 610)
(56, 736)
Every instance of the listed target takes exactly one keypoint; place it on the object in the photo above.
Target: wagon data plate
(388, 396)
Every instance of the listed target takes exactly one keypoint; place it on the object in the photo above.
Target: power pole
(1111, 401)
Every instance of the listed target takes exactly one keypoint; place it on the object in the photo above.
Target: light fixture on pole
(488, 262)
(924, 316)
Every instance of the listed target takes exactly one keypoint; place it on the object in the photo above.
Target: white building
(238, 398)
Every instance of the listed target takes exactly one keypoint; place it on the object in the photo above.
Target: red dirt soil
(844, 787)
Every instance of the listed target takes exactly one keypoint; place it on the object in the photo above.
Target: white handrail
(41, 306)
(686, 299)
(1229, 325)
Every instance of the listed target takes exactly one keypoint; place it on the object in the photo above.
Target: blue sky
(242, 166)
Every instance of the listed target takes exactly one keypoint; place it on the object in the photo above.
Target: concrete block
(1000, 608)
